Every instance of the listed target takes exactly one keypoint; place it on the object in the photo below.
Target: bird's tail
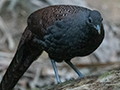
(26, 53)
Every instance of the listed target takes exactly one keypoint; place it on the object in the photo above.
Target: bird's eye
(90, 20)
(102, 19)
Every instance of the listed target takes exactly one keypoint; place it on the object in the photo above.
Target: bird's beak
(97, 28)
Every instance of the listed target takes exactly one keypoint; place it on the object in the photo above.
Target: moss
(108, 81)
(106, 74)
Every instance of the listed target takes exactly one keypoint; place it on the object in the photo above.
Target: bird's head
(94, 20)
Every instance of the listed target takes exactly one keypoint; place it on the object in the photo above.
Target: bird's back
(41, 19)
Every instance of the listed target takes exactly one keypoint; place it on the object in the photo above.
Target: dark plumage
(63, 31)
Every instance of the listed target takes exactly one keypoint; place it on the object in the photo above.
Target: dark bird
(63, 31)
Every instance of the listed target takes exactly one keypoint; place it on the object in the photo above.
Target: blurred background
(13, 17)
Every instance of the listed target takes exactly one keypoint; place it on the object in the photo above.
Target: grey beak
(97, 28)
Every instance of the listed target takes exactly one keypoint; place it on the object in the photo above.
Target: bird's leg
(55, 70)
(75, 69)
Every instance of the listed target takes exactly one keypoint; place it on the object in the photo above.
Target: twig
(6, 35)
(6, 54)
(2, 3)
(12, 4)
(38, 3)
(98, 64)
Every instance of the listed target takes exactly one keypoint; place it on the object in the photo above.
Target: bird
(63, 31)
